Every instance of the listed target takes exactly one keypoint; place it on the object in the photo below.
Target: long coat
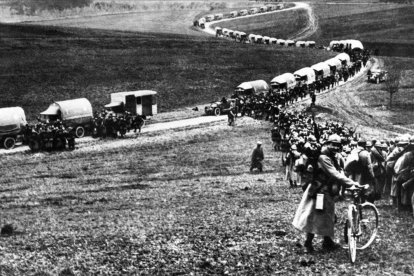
(366, 174)
(321, 222)
(257, 158)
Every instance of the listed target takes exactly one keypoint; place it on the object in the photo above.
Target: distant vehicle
(12, 126)
(218, 16)
(76, 114)
(263, 9)
(209, 17)
(243, 12)
(377, 76)
(234, 14)
(141, 102)
(254, 10)
(255, 87)
(219, 107)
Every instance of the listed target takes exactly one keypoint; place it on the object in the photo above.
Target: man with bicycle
(316, 212)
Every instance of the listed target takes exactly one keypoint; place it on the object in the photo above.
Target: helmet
(369, 143)
(403, 141)
(312, 138)
(334, 138)
(293, 147)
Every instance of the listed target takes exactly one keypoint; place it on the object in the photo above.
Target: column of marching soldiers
(387, 165)
(388, 168)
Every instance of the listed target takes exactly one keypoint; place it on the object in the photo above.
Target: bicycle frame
(356, 220)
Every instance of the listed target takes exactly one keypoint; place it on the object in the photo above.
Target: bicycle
(361, 225)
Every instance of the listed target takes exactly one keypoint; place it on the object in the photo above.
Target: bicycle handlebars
(355, 188)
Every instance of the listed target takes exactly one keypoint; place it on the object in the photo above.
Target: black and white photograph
(206, 137)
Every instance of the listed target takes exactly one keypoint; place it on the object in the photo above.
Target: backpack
(352, 163)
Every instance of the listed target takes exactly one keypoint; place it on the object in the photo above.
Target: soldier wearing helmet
(326, 181)
(363, 172)
(390, 187)
(378, 156)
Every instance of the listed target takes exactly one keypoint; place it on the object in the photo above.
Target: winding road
(310, 28)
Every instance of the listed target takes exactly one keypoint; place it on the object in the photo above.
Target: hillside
(42, 64)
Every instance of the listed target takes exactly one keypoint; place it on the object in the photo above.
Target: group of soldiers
(109, 124)
(386, 165)
(267, 106)
(49, 136)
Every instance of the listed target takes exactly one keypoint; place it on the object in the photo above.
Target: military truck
(12, 126)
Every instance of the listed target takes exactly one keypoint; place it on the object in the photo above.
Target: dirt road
(310, 28)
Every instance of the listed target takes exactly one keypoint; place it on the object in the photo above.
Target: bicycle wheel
(368, 225)
(352, 230)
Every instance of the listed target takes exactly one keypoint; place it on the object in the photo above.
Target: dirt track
(298, 5)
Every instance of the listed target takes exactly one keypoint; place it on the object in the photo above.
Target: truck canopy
(202, 20)
(300, 43)
(355, 44)
(286, 78)
(70, 109)
(323, 68)
(256, 87)
(12, 119)
(290, 42)
(334, 62)
(281, 41)
(306, 73)
(310, 43)
(344, 57)
(333, 42)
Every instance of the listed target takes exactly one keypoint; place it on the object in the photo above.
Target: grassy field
(175, 203)
(39, 65)
(389, 30)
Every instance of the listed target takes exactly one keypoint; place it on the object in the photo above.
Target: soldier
(362, 172)
(257, 158)
(378, 157)
(291, 173)
(231, 114)
(325, 183)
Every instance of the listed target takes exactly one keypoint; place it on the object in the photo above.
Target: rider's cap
(259, 142)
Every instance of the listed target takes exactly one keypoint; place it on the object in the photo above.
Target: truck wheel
(217, 111)
(79, 132)
(9, 142)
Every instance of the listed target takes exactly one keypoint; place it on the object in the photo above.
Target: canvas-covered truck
(76, 114)
(252, 87)
(334, 64)
(305, 76)
(141, 102)
(344, 58)
(284, 82)
(12, 126)
(322, 70)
